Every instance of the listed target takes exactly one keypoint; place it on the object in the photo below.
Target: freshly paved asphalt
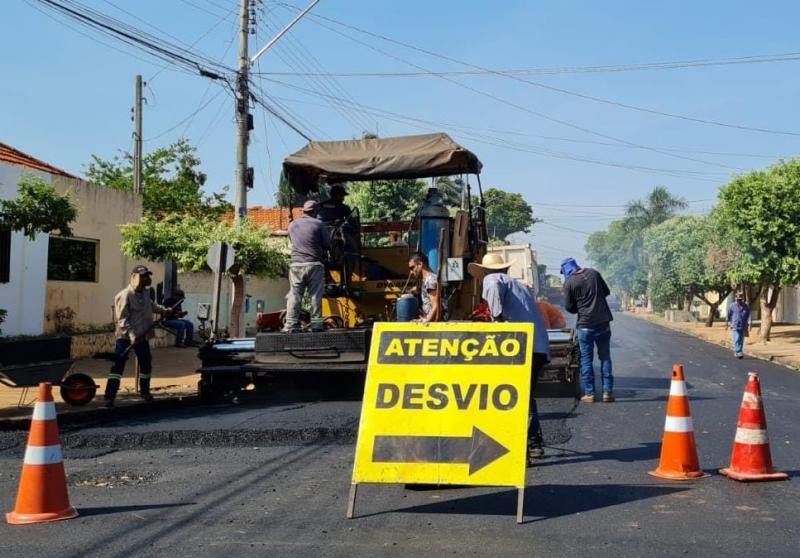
(271, 477)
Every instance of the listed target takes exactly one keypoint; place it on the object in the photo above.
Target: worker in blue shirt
(739, 323)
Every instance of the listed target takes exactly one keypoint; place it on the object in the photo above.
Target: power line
(560, 70)
(515, 146)
(132, 36)
(189, 117)
(501, 99)
(549, 87)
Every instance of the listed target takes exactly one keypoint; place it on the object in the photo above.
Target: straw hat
(491, 262)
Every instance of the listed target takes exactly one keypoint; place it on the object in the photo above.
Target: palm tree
(657, 207)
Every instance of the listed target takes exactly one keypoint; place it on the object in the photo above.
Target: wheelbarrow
(76, 389)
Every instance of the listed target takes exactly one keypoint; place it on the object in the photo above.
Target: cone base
(752, 477)
(678, 475)
(15, 518)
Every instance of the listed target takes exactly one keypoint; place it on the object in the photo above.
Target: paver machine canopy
(369, 287)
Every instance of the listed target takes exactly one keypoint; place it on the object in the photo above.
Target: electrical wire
(549, 87)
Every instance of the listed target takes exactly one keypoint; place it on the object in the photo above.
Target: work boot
(112, 386)
(144, 389)
(608, 397)
(588, 398)
(535, 452)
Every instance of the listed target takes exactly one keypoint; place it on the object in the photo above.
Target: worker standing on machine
(509, 300)
(310, 240)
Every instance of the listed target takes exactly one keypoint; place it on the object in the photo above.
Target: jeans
(184, 330)
(587, 339)
(305, 278)
(738, 340)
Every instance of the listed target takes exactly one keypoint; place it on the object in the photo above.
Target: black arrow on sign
(478, 450)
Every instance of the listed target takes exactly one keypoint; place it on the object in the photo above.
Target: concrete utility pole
(137, 138)
(242, 114)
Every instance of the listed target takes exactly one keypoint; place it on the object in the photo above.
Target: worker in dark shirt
(177, 322)
(334, 208)
(585, 294)
(310, 240)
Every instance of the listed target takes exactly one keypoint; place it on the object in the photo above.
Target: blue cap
(568, 267)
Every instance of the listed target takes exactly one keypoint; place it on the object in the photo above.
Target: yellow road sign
(446, 403)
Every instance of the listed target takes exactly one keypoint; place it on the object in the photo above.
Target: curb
(767, 358)
(105, 415)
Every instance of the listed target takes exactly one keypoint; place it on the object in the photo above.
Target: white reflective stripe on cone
(753, 401)
(678, 424)
(44, 411)
(43, 455)
(677, 387)
(751, 436)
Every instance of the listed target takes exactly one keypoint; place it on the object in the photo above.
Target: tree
(657, 207)
(386, 200)
(37, 208)
(171, 179)
(685, 262)
(186, 238)
(758, 217)
(612, 252)
(507, 213)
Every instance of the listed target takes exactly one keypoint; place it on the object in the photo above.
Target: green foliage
(618, 252)
(758, 215)
(386, 200)
(171, 181)
(38, 208)
(186, 239)
(684, 260)
(507, 213)
(612, 252)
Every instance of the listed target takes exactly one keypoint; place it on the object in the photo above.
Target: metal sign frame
(445, 403)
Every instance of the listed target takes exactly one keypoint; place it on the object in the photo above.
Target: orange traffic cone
(678, 450)
(42, 492)
(751, 459)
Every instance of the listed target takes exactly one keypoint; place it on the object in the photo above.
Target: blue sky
(67, 95)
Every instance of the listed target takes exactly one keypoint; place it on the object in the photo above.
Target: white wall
(24, 295)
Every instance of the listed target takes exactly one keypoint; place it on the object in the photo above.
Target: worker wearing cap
(134, 309)
(334, 208)
(510, 300)
(310, 240)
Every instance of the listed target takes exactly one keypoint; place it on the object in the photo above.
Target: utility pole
(242, 114)
(137, 137)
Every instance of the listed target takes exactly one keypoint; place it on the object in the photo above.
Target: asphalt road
(271, 477)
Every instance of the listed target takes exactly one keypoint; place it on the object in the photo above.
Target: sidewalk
(783, 348)
(173, 376)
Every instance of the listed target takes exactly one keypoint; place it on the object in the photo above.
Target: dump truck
(366, 273)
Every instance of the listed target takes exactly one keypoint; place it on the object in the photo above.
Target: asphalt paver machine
(367, 268)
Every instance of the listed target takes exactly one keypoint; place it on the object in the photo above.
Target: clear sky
(67, 93)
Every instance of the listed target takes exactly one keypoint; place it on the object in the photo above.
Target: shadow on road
(546, 501)
(642, 452)
(85, 512)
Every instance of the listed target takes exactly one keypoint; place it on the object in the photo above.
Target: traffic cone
(42, 492)
(678, 450)
(751, 459)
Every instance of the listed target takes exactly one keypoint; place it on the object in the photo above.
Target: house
(51, 281)
(262, 294)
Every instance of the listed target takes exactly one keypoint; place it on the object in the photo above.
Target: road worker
(134, 309)
(510, 300)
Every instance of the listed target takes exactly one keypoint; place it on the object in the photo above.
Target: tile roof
(275, 218)
(16, 157)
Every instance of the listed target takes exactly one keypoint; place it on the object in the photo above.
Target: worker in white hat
(510, 300)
